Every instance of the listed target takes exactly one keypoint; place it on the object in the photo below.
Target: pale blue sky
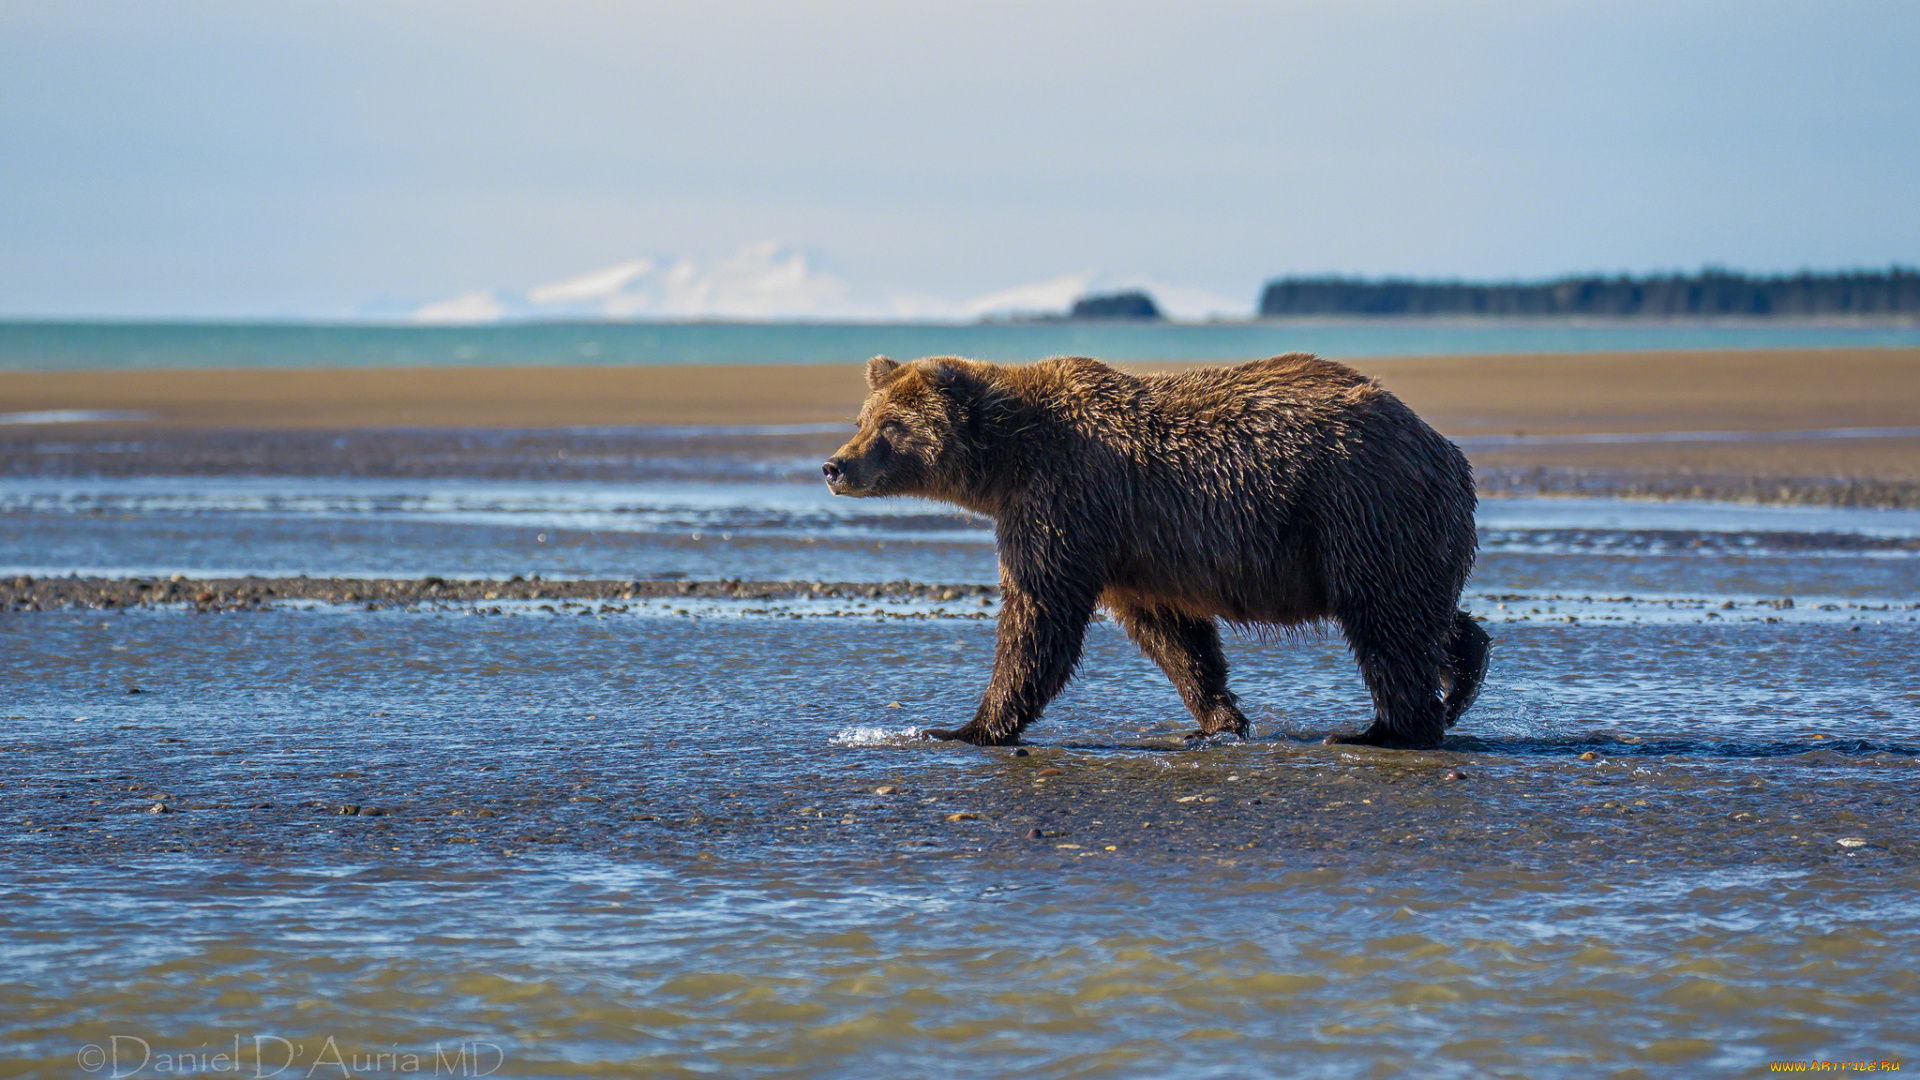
(312, 159)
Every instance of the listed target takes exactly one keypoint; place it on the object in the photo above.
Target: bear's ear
(880, 370)
(951, 375)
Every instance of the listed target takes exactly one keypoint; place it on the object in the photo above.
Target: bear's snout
(838, 470)
(865, 468)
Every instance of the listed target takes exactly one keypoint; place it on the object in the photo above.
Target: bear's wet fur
(1276, 493)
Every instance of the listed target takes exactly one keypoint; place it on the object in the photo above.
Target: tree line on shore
(1895, 291)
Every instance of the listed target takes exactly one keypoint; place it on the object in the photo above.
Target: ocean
(63, 346)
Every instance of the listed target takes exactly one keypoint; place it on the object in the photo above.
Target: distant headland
(1711, 293)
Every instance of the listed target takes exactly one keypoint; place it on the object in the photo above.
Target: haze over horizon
(466, 162)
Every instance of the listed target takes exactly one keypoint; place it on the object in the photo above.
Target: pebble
(1456, 776)
(1033, 834)
(1851, 841)
(159, 808)
(1021, 752)
(1588, 756)
(1053, 772)
(963, 816)
(887, 789)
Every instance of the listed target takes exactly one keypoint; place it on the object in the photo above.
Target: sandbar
(1790, 396)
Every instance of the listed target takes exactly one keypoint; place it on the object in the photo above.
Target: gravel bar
(26, 593)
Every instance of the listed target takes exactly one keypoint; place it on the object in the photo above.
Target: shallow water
(1676, 832)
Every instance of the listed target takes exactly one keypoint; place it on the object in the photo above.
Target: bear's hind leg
(1188, 650)
(1401, 665)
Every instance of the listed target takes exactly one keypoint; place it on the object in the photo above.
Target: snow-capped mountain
(760, 281)
(768, 281)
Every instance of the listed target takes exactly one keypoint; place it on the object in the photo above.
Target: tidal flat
(656, 806)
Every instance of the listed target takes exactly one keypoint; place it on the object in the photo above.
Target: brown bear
(1272, 494)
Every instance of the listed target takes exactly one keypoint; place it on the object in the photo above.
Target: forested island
(1132, 304)
(1710, 293)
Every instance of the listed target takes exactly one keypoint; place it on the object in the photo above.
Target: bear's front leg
(1040, 638)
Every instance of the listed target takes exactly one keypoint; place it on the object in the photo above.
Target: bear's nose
(831, 470)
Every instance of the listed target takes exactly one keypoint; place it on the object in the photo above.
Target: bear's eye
(893, 427)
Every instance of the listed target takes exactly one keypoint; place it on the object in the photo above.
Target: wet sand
(1813, 427)
(1142, 795)
(1772, 390)
(481, 397)
(1651, 781)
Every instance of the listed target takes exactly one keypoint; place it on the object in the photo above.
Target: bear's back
(1214, 424)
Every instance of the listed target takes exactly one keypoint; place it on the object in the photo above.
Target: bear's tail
(1467, 649)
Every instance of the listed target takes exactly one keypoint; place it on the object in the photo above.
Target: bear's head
(914, 429)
